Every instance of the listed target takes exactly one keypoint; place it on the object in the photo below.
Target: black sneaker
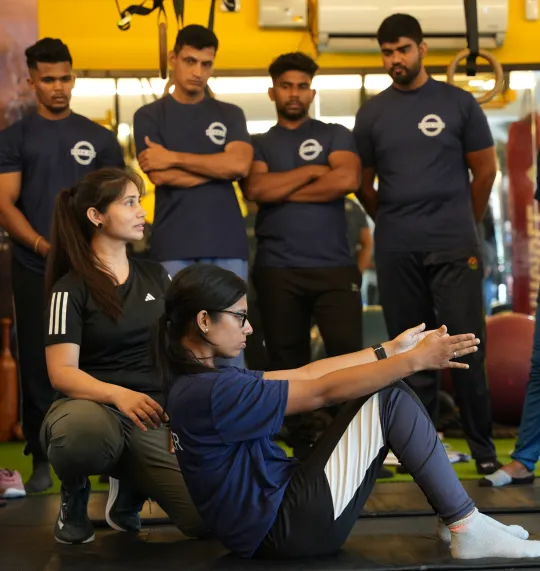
(488, 467)
(123, 506)
(73, 524)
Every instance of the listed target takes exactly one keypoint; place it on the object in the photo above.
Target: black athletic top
(113, 352)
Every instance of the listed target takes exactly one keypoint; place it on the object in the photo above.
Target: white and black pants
(329, 489)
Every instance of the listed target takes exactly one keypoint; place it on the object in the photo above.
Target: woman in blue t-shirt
(254, 498)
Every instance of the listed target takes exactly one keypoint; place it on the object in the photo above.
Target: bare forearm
(369, 199)
(331, 186)
(77, 384)
(363, 259)
(277, 186)
(178, 178)
(481, 189)
(355, 382)
(17, 226)
(330, 365)
(223, 166)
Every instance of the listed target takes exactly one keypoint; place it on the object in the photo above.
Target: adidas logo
(149, 297)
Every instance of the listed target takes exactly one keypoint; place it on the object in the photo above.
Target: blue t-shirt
(236, 475)
(52, 155)
(302, 235)
(417, 143)
(204, 221)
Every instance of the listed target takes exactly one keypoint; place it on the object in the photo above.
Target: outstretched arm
(347, 377)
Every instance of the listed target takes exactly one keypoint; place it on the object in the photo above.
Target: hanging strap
(212, 14)
(140, 10)
(179, 11)
(471, 20)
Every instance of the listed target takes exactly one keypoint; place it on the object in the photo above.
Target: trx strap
(138, 10)
(471, 21)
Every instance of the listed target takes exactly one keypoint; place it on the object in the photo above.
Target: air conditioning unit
(351, 25)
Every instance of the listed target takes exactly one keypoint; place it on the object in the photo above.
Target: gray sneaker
(73, 524)
(123, 506)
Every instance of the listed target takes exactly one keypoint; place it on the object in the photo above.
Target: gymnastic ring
(163, 50)
(492, 60)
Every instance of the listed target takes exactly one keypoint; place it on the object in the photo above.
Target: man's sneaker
(488, 467)
(73, 524)
(11, 485)
(123, 506)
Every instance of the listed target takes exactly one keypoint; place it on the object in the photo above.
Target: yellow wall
(89, 28)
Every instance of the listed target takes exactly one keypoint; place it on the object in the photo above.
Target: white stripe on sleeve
(51, 313)
(64, 314)
(58, 313)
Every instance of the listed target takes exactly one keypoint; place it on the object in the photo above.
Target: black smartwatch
(379, 351)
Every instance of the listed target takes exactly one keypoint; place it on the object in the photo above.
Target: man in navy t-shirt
(303, 268)
(193, 147)
(421, 137)
(40, 155)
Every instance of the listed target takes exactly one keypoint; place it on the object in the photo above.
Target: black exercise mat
(401, 499)
(406, 498)
(27, 544)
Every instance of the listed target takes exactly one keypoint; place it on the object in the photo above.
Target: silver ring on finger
(455, 355)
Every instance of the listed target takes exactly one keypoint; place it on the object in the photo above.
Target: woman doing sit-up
(108, 418)
(253, 498)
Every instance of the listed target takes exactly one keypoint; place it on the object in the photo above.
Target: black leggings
(329, 489)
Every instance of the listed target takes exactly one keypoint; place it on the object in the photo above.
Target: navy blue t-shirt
(302, 235)
(417, 142)
(52, 155)
(204, 221)
(222, 423)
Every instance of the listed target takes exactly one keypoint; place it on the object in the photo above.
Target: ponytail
(169, 357)
(72, 232)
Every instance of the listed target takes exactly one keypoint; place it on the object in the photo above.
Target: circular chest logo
(83, 152)
(431, 125)
(310, 149)
(217, 133)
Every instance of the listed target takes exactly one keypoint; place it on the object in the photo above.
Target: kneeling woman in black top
(258, 501)
(108, 418)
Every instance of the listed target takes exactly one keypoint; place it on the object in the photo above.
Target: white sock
(474, 537)
(443, 533)
(499, 478)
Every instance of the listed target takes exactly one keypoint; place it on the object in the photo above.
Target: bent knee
(83, 437)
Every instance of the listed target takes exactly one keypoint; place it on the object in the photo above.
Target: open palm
(409, 339)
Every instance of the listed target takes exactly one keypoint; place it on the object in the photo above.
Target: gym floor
(396, 531)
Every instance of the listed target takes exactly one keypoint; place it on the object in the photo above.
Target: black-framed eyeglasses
(243, 316)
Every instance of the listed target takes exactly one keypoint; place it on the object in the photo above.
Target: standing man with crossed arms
(421, 137)
(303, 268)
(192, 147)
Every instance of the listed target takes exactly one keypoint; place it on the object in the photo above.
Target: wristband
(36, 243)
(379, 351)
